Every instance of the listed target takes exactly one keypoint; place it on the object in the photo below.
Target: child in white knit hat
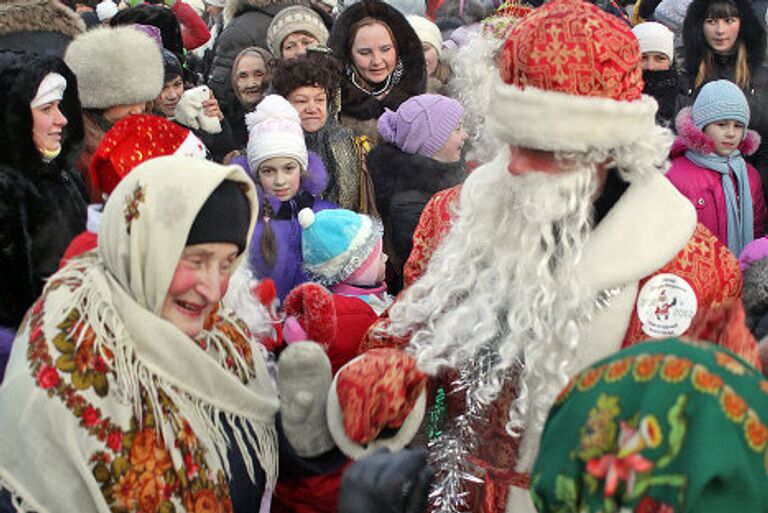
(661, 78)
(289, 178)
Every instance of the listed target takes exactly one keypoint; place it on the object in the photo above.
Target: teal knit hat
(717, 101)
(665, 427)
(336, 242)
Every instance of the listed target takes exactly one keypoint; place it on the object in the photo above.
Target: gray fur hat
(115, 66)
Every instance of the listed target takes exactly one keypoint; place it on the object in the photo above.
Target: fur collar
(394, 169)
(651, 215)
(314, 181)
(690, 137)
(356, 103)
(694, 44)
(39, 16)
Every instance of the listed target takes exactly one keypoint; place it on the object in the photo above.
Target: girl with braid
(289, 178)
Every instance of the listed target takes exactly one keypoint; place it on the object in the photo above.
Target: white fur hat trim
(554, 121)
(395, 443)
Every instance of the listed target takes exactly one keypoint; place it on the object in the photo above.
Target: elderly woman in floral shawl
(130, 387)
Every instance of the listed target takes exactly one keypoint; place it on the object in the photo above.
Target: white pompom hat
(274, 130)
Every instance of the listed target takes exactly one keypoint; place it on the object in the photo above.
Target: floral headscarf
(662, 427)
(108, 407)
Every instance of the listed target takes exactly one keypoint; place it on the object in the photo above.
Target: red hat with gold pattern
(133, 140)
(377, 400)
(572, 81)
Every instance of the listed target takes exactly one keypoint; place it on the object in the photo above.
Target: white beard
(505, 277)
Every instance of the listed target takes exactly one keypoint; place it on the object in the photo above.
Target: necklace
(381, 91)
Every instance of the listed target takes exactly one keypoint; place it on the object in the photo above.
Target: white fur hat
(655, 37)
(274, 130)
(427, 31)
(115, 66)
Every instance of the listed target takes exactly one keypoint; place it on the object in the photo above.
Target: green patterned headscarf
(665, 427)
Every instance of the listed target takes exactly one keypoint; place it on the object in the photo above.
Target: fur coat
(404, 183)
(42, 205)
(357, 104)
(40, 26)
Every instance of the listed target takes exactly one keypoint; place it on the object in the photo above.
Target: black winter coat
(42, 205)
(404, 184)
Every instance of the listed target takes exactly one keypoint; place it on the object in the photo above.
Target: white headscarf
(105, 404)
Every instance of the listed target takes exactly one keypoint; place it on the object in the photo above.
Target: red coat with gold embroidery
(704, 263)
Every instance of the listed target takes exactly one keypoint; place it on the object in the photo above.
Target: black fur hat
(751, 32)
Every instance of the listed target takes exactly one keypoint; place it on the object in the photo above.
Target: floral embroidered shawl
(107, 407)
(663, 427)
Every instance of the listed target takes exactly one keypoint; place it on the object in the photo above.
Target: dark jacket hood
(357, 103)
(751, 32)
(20, 76)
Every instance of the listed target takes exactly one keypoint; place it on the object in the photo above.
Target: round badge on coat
(666, 306)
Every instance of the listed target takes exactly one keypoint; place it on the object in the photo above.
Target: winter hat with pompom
(274, 130)
(336, 243)
(422, 124)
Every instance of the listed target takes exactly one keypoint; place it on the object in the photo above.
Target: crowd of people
(311, 256)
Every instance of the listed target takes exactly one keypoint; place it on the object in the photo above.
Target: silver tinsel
(450, 452)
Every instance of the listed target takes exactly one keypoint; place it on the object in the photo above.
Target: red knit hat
(572, 81)
(133, 140)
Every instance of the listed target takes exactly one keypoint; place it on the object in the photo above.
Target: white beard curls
(505, 277)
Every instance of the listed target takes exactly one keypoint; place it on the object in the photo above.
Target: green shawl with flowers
(665, 427)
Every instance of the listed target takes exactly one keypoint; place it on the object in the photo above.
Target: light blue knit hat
(336, 242)
(719, 100)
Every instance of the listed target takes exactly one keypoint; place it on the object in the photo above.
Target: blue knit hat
(336, 242)
(717, 101)
(422, 124)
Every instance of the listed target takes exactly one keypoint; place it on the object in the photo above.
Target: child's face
(451, 150)
(726, 134)
(280, 177)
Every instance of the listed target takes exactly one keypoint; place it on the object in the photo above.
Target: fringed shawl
(108, 407)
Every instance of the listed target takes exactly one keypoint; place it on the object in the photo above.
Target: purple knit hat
(421, 124)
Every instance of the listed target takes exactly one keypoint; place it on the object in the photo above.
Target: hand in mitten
(387, 483)
(303, 380)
